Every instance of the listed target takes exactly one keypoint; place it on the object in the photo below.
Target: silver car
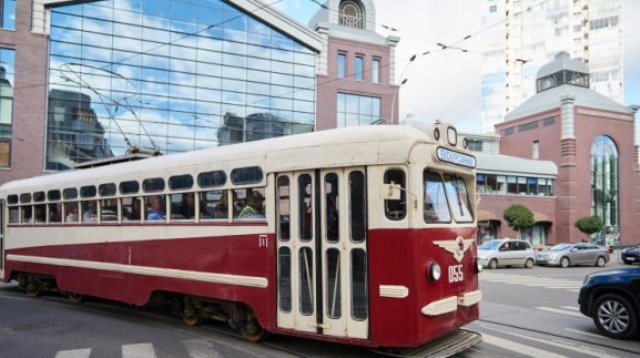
(568, 254)
(506, 252)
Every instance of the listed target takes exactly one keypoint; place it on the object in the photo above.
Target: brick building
(590, 138)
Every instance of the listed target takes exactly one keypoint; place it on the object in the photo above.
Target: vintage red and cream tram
(361, 235)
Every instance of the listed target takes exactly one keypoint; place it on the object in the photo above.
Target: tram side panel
(237, 267)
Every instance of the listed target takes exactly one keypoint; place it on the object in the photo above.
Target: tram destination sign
(449, 156)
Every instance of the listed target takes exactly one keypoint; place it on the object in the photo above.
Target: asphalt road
(524, 313)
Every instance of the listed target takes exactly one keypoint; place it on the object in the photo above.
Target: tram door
(322, 255)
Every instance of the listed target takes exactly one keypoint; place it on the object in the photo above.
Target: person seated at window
(156, 212)
(252, 206)
(90, 212)
(188, 207)
(72, 213)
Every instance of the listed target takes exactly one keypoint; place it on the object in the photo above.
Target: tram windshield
(443, 199)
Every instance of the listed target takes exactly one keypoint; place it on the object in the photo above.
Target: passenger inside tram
(156, 210)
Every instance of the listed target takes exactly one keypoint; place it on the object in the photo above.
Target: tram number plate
(455, 273)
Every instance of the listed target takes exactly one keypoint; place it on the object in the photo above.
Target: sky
(446, 85)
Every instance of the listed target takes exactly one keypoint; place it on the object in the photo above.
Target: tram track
(561, 336)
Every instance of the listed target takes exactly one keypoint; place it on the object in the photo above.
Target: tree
(518, 217)
(589, 224)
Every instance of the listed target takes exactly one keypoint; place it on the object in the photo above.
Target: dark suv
(631, 255)
(612, 299)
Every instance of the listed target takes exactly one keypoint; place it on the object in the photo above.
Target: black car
(612, 299)
(631, 255)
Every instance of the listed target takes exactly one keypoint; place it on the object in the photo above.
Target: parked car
(568, 254)
(506, 252)
(612, 299)
(631, 255)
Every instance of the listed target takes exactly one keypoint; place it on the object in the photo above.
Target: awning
(540, 217)
(484, 215)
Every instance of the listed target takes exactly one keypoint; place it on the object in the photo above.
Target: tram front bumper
(450, 304)
(446, 346)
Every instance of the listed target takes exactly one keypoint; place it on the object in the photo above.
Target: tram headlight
(478, 265)
(436, 134)
(434, 272)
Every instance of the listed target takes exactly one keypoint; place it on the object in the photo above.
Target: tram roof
(385, 144)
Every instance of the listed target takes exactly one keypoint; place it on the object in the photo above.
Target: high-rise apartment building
(523, 35)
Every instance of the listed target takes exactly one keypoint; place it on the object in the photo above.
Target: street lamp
(397, 91)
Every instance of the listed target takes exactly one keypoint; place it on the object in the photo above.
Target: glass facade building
(172, 76)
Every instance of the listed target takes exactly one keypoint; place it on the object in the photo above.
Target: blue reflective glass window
(342, 65)
(358, 75)
(8, 14)
(170, 74)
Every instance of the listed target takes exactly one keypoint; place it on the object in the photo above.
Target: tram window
(284, 209)
(70, 193)
(248, 203)
(214, 204)
(55, 213)
(331, 207)
(155, 209)
(89, 211)
(435, 200)
(212, 179)
(12, 199)
(183, 206)
(359, 297)
(107, 189)
(38, 196)
(458, 198)
(305, 208)
(284, 279)
(109, 209)
(153, 185)
(358, 206)
(131, 208)
(25, 198)
(88, 191)
(53, 195)
(40, 214)
(71, 212)
(248, 175)
(129, 187)
(181, 182)
(14, 216)
(305, 273)
(396, 209)
(26, 214)
(334, 292)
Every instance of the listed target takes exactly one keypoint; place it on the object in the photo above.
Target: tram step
(446, 346)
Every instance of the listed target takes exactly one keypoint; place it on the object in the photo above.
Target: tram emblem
(456, 247)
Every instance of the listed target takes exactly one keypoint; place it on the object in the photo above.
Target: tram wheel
(192, 317)
(33, 289)
(74, 297)
(253, 332)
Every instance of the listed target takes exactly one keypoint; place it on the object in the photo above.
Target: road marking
(563, 344)
(532, 281)
(564, 312)
(585, 333)
(201, 348)
(74, 353)
(517, 347)
(142, 350)
(571, 308)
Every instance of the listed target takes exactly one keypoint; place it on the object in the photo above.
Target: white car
(506, 252)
